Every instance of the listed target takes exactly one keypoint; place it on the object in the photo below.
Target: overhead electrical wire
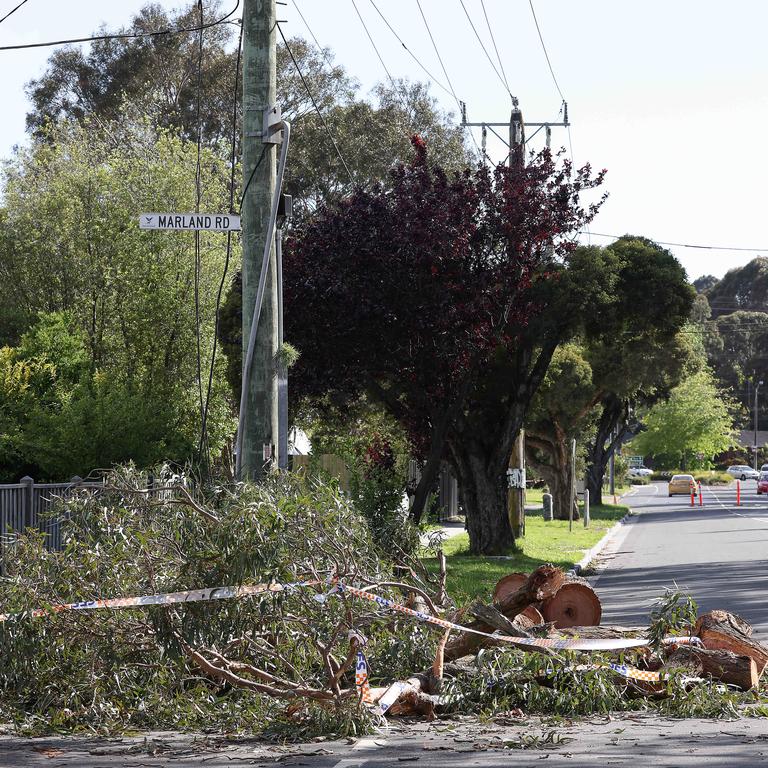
(227, 258)
(493, 40)
(12, 11)
(689, 245)
(198, 260)
(365, 27)
(546, 53)
(124, 35)
(314, 103)
(445, 71)
(410, 52)
(482, 45)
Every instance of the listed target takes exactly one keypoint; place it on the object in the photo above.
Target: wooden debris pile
(548, 603)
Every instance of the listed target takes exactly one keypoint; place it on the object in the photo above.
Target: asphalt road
(718, 552)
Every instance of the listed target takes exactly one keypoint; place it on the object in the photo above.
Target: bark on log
(723, 631)
(541, 584)
(724, 666)
(574, 604)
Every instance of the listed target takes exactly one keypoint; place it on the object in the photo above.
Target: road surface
(718, 552)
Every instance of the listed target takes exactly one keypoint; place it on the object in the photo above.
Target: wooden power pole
(516, 495)
(257, 443)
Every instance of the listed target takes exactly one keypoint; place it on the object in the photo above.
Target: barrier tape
(361, 670)
(361, 679)
(163, 598)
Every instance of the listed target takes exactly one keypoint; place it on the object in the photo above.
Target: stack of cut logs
(549, 603)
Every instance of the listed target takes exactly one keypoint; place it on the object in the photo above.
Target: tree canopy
(694, 424)
(105, 313)
(428, 295)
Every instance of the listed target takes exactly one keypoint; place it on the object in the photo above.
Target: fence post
(28, 490)
(586, 507)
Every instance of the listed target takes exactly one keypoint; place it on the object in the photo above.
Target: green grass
(470, 576)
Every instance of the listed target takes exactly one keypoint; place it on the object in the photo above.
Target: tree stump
(723, 631)
(541, 584)
(509, 584)
(574, 604)
(727, 667)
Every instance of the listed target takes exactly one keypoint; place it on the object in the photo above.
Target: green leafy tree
(744, 288)
(562, 410)
(70, 243)
(698, 419)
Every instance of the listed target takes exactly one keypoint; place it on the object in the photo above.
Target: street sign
(218, 222)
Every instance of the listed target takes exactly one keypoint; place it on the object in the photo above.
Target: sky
(669, 97)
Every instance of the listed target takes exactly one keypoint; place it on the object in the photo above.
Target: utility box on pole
(260, 429)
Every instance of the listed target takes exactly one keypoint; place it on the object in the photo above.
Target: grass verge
(470, 576)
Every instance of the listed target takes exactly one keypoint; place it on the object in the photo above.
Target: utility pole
(516, 495)
(257, 443)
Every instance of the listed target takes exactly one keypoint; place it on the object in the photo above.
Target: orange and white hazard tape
(162, 598)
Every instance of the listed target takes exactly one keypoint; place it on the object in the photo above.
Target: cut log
(727, 667)
(541, 584)
(723, 631)
(509, 584)
(574, 604)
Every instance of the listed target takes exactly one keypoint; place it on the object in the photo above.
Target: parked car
(764, 468)
(639, 471)
(762, 483)
(743, 472)
(684, 484)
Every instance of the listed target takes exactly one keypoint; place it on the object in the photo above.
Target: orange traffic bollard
(693, 494)
(738, 493)
(701, 497)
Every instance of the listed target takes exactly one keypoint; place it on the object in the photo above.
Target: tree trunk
(556, 469)
(484, 498)
(600, 450)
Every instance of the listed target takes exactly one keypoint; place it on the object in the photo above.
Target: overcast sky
(670, 97)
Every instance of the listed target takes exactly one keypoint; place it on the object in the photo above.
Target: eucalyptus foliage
(120, 669)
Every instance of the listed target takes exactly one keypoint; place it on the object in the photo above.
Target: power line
(493, 40)
(314, 104)
(482, 45)
(198, 195)
(365, 27)
(445, 71)
(544, 48)
(688, 245)
(410, 52)
(437, 53)
(12, 11)
(312, 35)
(123, 35)
(227, 258)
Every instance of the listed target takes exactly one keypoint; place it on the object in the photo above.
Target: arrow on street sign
(217, 222)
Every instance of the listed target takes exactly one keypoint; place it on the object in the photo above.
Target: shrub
(713, 478)
(642, 480)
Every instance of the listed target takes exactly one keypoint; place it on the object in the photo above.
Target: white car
(743, 472)
(640, 471)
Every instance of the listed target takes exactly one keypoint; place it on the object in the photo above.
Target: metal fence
(27, 504)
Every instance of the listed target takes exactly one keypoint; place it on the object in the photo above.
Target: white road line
(728, 509)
